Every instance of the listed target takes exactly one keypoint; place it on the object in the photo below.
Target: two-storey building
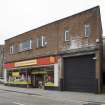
(64, 55)
(1, 59)
(104, 60)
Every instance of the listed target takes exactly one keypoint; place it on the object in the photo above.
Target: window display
(49, 78)
(18, 77)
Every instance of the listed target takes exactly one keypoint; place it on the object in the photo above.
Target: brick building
(64, 55)
(1, 59)
(104, 60)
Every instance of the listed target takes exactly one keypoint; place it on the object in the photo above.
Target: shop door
(38, 80)
(79, 74)
(33, 81)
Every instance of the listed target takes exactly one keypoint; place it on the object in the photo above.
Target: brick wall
(54, 33)
(1, 59)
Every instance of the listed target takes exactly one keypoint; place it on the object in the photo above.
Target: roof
(91, 9)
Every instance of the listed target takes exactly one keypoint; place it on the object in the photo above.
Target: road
(13, 98)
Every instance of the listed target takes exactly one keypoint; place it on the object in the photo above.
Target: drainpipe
(61, 74)
(98, 71)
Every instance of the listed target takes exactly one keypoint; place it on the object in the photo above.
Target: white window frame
(37, 42)
(11, 49)
(30, 43)
(66, 32)
(24, 49)
(44, 42)
(87, 29)
(41, 42)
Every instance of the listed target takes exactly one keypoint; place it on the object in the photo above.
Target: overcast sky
(18, 16)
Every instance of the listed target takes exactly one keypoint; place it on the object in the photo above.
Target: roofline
(56, 21)
(2, 44)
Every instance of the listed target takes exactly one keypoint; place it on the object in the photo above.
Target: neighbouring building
(1, 59)
(104, 60)
(62, 55)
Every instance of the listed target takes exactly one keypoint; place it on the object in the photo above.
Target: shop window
(41, 42)
(66, 36)
(42, 76)
(18, 77)
(87, 30)
(49, 78)
(26, 45)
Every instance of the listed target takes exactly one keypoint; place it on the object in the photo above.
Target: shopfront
(19, 77)
(36, 73)
(42, 76)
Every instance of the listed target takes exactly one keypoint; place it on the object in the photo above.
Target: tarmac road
(21, 96)
(11, 98)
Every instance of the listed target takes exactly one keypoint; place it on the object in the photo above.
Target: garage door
(79, 74)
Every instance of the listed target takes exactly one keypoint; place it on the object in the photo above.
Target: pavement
(80, 98)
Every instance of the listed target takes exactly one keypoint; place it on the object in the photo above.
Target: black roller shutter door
(79, 74)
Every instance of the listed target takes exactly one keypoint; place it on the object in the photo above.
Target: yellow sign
(19, 82)
(49, 84)
(26, 63)
(39, 72)
(15, 74)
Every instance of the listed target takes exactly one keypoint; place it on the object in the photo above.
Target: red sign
(52, 60)
(46, 61)
(40, 61)
(43, 61)
(9, 65)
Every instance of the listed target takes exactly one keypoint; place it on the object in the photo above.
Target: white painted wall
(56, 75)
(5, 76)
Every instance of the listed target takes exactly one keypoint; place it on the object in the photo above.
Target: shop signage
(9, 65)
(46, 60)
(49, 84)
(15, 74)
(52, 59)
(43, 61)
(40, 72)
(39, 61)
(26, 63)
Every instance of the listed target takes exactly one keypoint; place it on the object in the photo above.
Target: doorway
(104, 78)
(79, 74)
(37, 80)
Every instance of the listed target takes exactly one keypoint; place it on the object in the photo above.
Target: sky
(19, 16)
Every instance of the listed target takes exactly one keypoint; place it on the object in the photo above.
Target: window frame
(12, 49)
(41, 42)
(21, 48)
(66, 35)
(87, 30)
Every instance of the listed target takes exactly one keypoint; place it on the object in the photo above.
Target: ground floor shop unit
(42, 73)
(42, 77)
(80, 74)
(69, 72)
(82, 70)
(36, 77)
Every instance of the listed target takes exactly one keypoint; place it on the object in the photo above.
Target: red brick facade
(54, 33)
(62, 46)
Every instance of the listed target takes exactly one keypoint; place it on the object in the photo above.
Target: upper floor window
(41, 42)
(12, 49)
(87, 29)
(26, 45)
(66, 36)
